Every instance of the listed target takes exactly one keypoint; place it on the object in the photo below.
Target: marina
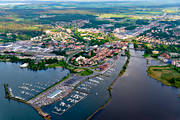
(68, 103)
(93, 91)
(137, 96)
(30, 86)
(84, 99)
(66, 95)
(14, 76)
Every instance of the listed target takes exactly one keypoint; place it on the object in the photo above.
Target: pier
(73, 84)
(9, 95)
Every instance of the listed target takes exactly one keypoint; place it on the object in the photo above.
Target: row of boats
(89, 84)
(69, 102)
(85, 88)
(81, 92)
(28, 90)
(12, 95)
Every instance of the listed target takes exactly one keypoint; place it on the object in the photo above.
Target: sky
(172, 1)
(88, 0)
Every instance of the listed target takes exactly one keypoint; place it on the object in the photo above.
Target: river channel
(136, 96)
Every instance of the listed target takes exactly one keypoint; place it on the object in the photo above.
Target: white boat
(24, 65)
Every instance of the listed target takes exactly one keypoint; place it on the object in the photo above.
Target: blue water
(97, 95)
(136, 96)
(12, 75)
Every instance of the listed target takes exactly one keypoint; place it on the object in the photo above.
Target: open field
(26, 17)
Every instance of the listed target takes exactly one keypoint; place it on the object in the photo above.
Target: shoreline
(38, 110)
(162, 81)
(46, 116)
(110, 88)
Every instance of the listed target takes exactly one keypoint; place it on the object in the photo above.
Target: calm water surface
(135, 95)
(12, 75)
(138, 97)
(97, 95)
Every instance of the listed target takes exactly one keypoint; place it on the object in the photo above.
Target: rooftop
(55, 93)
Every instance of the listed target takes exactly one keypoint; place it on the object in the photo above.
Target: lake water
(91, 98)
(135, 95)
(29, 82)
(139, 97)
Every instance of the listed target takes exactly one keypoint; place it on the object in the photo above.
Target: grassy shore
(110, 87)
(72, 69)
(85, 72)
(7, 94)
(165, 74)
